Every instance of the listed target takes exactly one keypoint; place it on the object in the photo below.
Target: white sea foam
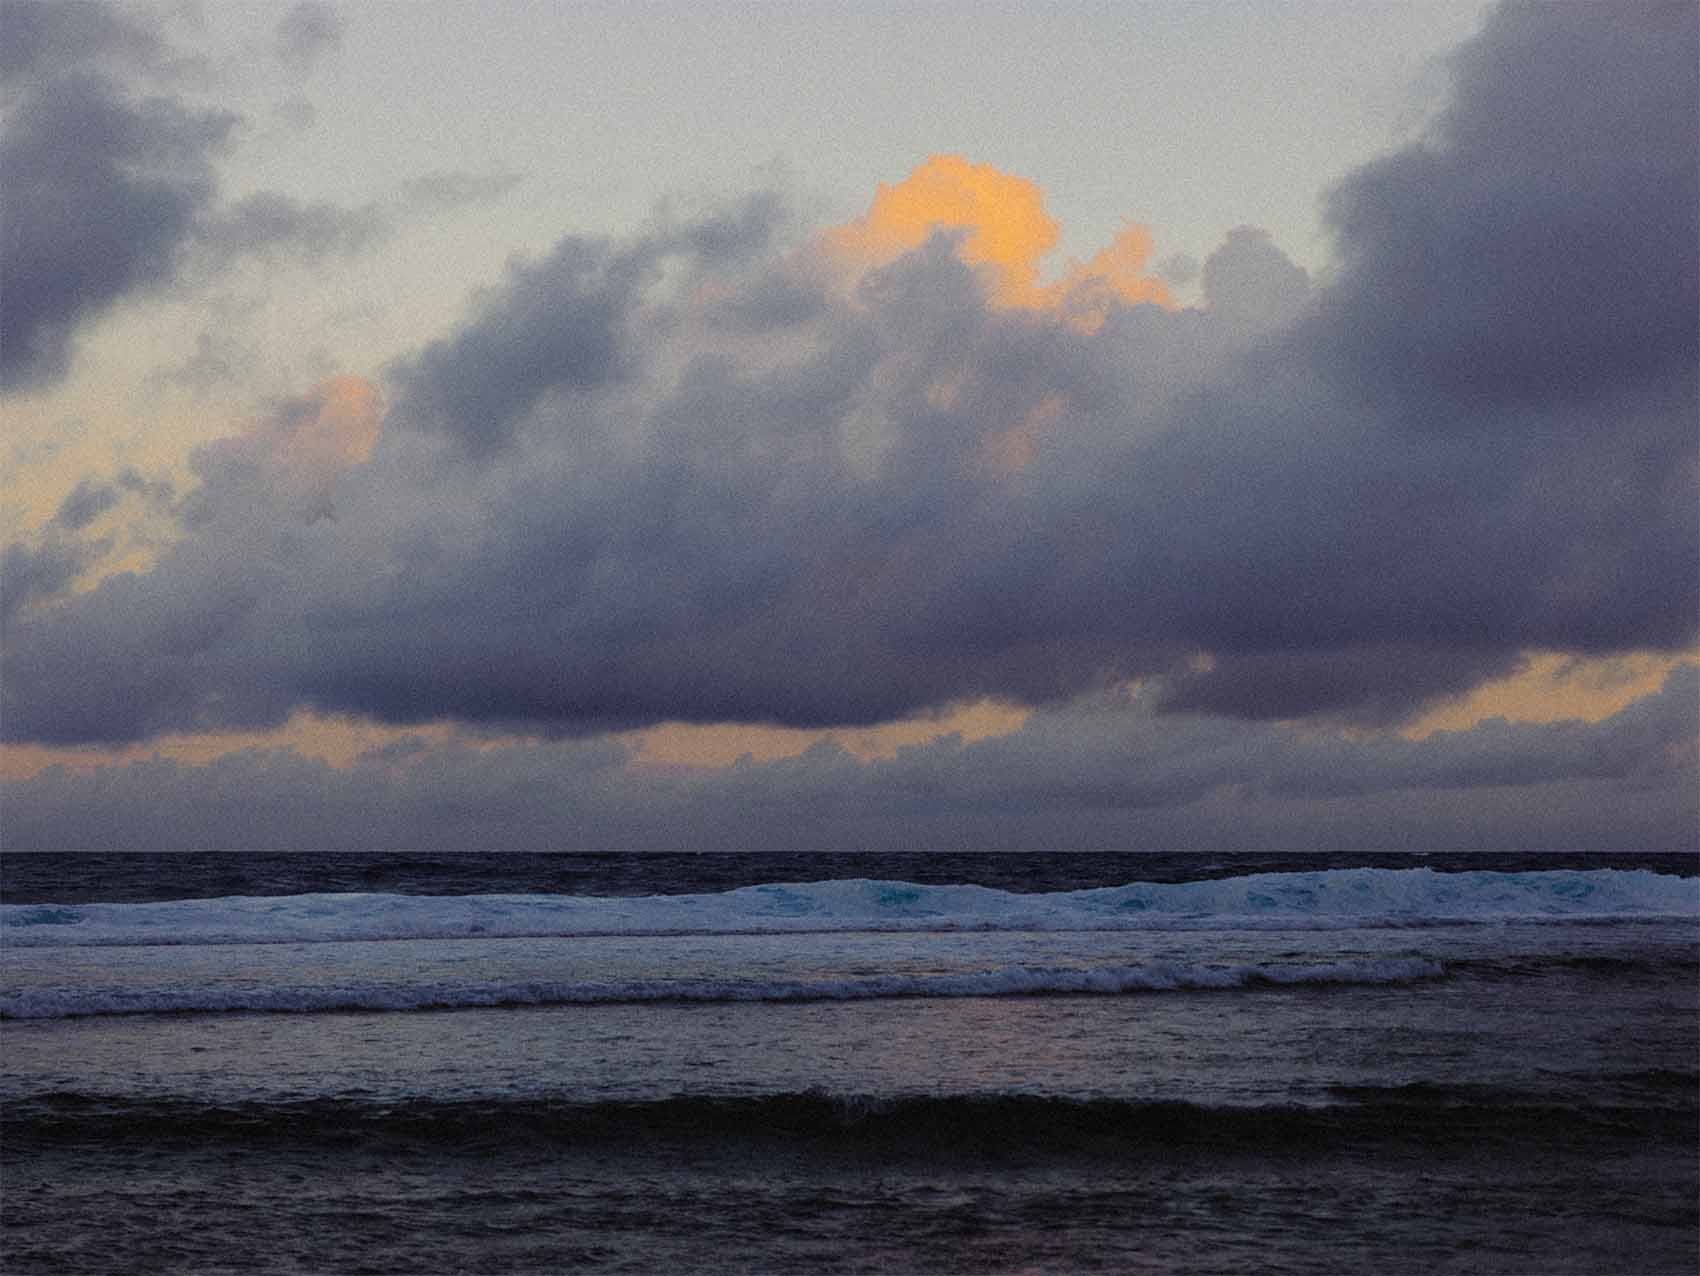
(1007, 981)
(1315, 900)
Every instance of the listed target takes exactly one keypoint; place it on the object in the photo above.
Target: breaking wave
(1307, 900)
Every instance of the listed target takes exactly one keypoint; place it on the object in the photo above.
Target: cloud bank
(729, 470)
(1104, 772)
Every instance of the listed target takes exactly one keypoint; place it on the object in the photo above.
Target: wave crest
(1310, 900)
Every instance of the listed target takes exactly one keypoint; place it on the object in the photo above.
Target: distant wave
(1313, 900)
(1008, 981)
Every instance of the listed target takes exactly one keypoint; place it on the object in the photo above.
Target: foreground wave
(1313, 900)
(968, 1125)
(1008, 981)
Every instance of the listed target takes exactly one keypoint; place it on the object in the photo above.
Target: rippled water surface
(1278, 1092)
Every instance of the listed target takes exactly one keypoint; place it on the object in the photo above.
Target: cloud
(1103, 772)
(51, 38)
(217, 361)
(445, 191)
(1249, 281)
(1179, 269)
(31, 573)
(111, 187)
(102, 193)
(1563, 214)
(87, 502)
(157, 494)
(1006, 226)
(720, 471)
(558, 326)
(272, 225)
(1004, 232)
(288, 461)
(307, 31)
(49, 563)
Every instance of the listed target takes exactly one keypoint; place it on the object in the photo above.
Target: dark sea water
(857, 1063)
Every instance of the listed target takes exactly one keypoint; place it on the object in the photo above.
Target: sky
(849, 426)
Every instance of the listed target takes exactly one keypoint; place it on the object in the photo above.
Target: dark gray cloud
(46, 565)
(682, 477)
(558, 326)
(307, 31)
(158, 494)
(1557, 198)
(1102, 773)
(111, 187)
(102, 193)
(87, 502)
(32, 573)
(52, 38)
(1117, 752)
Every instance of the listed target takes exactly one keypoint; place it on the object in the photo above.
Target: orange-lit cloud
(341, 741)
(1005, 232)
(310, 441)
(682, 744)
(1007, 228)
(336, 740)
(1554, 688)
(1116, 276)
(339, 429)
(344, 429)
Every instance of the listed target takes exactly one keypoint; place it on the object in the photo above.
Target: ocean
(1140, 1063)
